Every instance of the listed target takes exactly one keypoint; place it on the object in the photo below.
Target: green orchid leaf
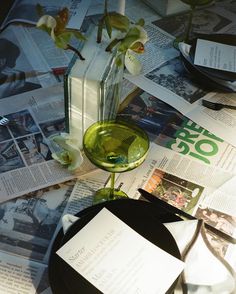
(60, 43)
(119, 61)
(133, 32)
(126, 43)
(197, 2)
(78, 35)
(140, 22)
(119, 21)
(108, 25)
(63, 39)
(130, 38)
(99, 32)
(66, 36)
(112, 44)
(45, 28)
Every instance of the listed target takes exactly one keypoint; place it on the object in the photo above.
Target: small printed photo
(34, 149)
(54, 127)
(172, 76)
(23, 123)
(217, 219)
(219, 244)
(173, 190)
(10, 158)
(27, 224)
(4, 134)
(14, 67)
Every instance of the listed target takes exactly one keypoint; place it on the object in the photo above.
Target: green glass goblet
(115, 146)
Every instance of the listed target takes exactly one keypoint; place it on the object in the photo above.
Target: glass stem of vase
(112, 185)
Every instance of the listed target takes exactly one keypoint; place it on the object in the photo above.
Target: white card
(215, 55)
(116, 259)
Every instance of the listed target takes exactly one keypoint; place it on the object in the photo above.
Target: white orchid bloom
(143, 36)
(48, 24)
(132, 63)
(70, 155)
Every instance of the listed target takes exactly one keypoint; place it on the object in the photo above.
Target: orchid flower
(133, 65)
(70, 154)
(129, 43)
(55, 27)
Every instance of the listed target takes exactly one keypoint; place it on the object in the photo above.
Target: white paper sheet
(215, 55)
(116, 259)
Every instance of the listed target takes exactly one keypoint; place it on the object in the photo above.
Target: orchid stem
(69, 47)
(112, 185)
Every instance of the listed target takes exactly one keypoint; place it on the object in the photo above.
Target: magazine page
(167, 79)
(167, 127)
(25, 145)
(24, 11)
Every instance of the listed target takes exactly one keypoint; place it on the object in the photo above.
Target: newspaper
(24, 11)
(32, 59)
(191, 186)
(29, 226)
(168, 128)
(25, 145)
(24, 69)
(25, 252)
(165, 77)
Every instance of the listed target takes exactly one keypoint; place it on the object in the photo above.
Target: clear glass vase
(92, 86)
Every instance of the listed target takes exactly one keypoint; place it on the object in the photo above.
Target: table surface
(38, 214)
